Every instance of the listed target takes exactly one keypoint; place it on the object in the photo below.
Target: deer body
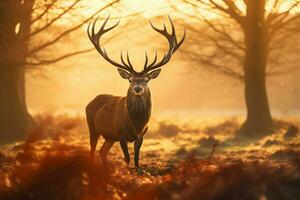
(113, 116)
(125, 119)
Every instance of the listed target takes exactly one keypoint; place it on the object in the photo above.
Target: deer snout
(138, 90)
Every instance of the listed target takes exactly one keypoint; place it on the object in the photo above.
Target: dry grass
(178, 162)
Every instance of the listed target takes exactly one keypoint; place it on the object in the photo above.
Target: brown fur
(109, 116)
(114, 117)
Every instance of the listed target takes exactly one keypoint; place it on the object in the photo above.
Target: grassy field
(195, 159)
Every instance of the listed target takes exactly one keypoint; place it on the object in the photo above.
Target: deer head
(138, 80)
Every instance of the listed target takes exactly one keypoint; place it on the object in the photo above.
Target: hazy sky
(71, 84)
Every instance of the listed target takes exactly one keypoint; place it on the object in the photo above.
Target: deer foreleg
(137, 145)
(124, 147)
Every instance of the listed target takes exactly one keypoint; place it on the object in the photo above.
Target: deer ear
(154, 74)
(124, 74)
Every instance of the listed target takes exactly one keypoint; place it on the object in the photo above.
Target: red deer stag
(125, 119)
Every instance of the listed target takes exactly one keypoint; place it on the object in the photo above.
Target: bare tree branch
(217, 43)
(40, 16)
(277, 21)
(68, 55)
(65, 11)
(232, 10)
(55, 60)
(48, 43)
(224, 34)
(282, 24)
(220, 68)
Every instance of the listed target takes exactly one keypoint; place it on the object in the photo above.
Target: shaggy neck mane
(139, 110)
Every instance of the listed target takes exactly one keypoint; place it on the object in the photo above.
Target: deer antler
(95, 39)
(173, 46)
(172, 39)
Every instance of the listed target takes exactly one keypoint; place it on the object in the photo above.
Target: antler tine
(146, 60)
(173, 30)
(128, 60)
(103, 25)
(177, 45)
(153, 62)
(95, 39)
(170, 37)
(173, 45)
(95, 35)
(181, 41)
(122, 60)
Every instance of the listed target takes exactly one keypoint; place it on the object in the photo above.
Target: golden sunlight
(203, 104)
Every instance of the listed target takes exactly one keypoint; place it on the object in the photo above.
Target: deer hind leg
(104, 150)
(94, 137)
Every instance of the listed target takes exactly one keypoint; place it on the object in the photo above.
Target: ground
(185, 159)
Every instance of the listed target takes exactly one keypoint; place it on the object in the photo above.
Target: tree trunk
(259, 120)
(14, 117)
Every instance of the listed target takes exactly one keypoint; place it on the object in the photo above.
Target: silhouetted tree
(22, 25)
(244, 40)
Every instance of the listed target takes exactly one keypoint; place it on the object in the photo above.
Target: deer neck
(139, 111)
